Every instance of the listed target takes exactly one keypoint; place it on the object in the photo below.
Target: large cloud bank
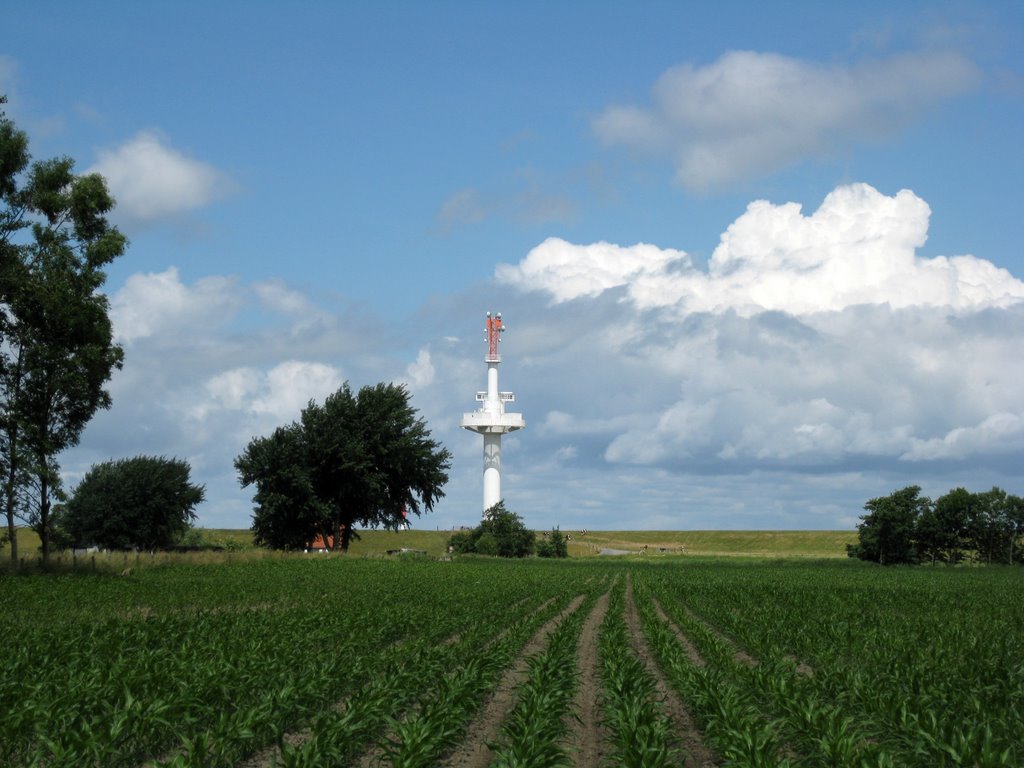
(751, 113)
(818, 360)
(812, 344)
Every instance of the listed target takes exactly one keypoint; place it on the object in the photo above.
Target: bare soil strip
(475, 750)
(738, 653)
(588, 737)
(691, 650)
(687, 734)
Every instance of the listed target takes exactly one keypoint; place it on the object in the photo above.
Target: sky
(759, 262)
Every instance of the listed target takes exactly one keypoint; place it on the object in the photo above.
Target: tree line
(906, 527)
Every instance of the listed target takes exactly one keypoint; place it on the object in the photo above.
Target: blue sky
(760, 261)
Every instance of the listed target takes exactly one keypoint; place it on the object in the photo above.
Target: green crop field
(320, 660)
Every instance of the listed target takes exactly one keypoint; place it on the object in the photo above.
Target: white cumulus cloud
(151, 303)
(419, 374)
(752, 113)
(859, 247)
(289, 386)
(569, 271)
(999, 432)
(247, 400)
(151, 180)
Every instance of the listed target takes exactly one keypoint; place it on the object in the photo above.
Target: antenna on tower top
(495, 327)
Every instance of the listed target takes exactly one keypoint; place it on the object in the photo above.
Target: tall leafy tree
(942, 529)
(14, 159)
(994, 525)
(1015, 515)
(57, 351)
(288, 512)
(145, 502)
(887, 534)
(361, 459)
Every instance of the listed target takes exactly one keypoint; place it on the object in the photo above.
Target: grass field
(709, 543)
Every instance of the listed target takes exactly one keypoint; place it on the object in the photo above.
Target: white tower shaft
(493, 402)
(492, 469)
(491, 420)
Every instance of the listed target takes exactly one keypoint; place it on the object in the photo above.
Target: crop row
(534, 731)
(640, 732)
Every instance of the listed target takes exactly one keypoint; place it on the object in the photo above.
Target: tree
(942, 528)
(359, 459)
(57, 350)
(501, 533)
(14, 158)
(288, 513)
(887, 533)
(1015, 515)
(554, 544)
(146, 502)
(994, 525)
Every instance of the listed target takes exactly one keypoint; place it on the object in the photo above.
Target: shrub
(554, 544)
(486, 545)
(500, 533)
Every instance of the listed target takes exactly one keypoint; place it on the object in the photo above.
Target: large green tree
(942, 528)
(57, 351)
(361, 459)
(146, 502)
(995, 524)
(888, 533)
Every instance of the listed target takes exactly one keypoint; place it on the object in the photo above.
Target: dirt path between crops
(588, 738)
(691, 650)
(739, 654)
(475, 750)
(687, 735)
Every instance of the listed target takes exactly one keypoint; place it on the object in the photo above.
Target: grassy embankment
(658, 543)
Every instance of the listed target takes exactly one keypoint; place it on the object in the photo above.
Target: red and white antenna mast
(491, 420)
(494, 330)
